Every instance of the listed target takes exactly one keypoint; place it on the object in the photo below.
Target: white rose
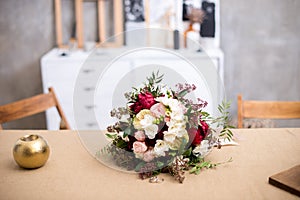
(147, 121)
(181, 133)
(137, 122)
(178, 125)
(151, 131)
(160, 148)
(177, 128)
(169, 136)
(178, 142)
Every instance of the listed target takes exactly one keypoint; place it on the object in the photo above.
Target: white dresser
(74, 72)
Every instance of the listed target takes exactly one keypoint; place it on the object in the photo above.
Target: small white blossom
(121, 134)
(160, 148)
(202, 149)
(151, 131)
(181, 132)
(169, 136)
(164, 100)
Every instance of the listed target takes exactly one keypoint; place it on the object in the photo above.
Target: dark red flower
(145, 101)
(197, 135)
(203, 128)
(130, 142)
(194, 136)
(136, 107)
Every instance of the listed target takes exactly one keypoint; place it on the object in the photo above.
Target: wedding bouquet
(160, 130)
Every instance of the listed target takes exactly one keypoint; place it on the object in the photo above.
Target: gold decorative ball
(31, 151)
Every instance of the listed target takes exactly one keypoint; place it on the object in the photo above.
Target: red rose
(194, 135)
(203, 128)
(145, 101)
(136, 107)
(197, 135)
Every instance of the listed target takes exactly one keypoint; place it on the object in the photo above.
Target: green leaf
(121, 144)
(193, 170)
(183, 93)
(111, 136)
(205, 114)
(127, 131)
(159, 164)
(172, 153)
(188, 112)
(182, 145)
(188, 152)
(139, 166)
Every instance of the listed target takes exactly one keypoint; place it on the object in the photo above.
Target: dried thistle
(178, 168)
(147, 170)
(119, 112)
(114, 128)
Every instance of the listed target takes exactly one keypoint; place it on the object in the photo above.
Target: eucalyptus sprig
(221, 122)
(155, 78)
(224, 120)
(200, 164)
(152, 84)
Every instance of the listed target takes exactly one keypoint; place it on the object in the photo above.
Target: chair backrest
(31, 106)
(267, 110)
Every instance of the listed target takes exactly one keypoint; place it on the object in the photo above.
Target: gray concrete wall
(260, 40)
(26, 33)
(261, 43)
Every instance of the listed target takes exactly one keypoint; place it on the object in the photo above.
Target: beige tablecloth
(72, 173)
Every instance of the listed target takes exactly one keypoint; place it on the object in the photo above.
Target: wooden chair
(31, 106)
(267, 110)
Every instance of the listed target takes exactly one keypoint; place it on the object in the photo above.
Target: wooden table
(72, 173)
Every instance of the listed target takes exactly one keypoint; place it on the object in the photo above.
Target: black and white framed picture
(208, 25)
(134, 10)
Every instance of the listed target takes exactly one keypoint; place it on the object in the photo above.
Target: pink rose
(158, 110)
(139, 147)
(148, 156)
(140, 136)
